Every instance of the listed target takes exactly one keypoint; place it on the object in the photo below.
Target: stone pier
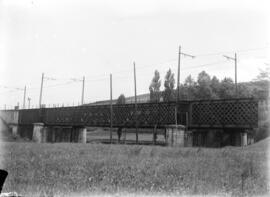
(244, 139)
(38, 132)
(14, 130)
(82, 134)
(175, 135)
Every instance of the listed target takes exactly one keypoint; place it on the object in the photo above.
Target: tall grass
(60, 169)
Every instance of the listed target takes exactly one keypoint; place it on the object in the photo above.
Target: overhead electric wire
(102, 77)
(119, 77)
(238, 51)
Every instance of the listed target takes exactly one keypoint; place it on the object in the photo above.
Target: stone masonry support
(244, 139)
(82, 134)
(14, 129)
(39, 133)
(175, 135)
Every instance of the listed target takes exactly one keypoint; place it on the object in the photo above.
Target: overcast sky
(72, 39)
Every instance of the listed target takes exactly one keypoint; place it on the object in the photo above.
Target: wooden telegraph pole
(41, 89)
(178, 75)
(24, 95)
(135, 91)
(111, 109)
(83, 81)
(178, 80)
(235, 71)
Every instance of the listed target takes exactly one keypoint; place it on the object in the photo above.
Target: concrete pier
(14, 130)
(82, 134)
(244, 139)
(175, 135)
(38, 132)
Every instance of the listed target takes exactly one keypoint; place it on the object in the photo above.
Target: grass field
(62, 169)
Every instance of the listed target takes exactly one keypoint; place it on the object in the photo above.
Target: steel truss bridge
(227, 113)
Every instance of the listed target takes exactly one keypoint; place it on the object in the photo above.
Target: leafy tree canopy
(169, 83)
(121, 99)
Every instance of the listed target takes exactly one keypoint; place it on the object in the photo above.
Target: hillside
(261, 145)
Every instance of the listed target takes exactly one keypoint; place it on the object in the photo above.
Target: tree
(243, 90)
(227, 88)
(203, 79)
(189, 89)
(154, 88)
(215, 86)
(168, 94)
(204, 86)
(121, 99)
(264, 75)
(189, 81)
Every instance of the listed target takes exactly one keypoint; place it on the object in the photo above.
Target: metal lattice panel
(148, 115)
(225, 113)
(212, 113)
(30, 116)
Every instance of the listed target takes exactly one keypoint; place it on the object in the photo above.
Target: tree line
(205, 87)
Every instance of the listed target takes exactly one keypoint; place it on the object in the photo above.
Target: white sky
(71, 39)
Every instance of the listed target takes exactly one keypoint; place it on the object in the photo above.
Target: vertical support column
(82, 135)
(244, 139)
(38, 132)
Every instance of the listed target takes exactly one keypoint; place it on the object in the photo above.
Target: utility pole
(178, 74)
(41, 89)
(111, 110)
(178, 70)
(235, 71)
(24, 94)
(29, 100)
(178, 79)
(83, 84)
(135, 90)
(83, 81)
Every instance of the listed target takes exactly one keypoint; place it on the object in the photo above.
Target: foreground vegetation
(61, 169)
